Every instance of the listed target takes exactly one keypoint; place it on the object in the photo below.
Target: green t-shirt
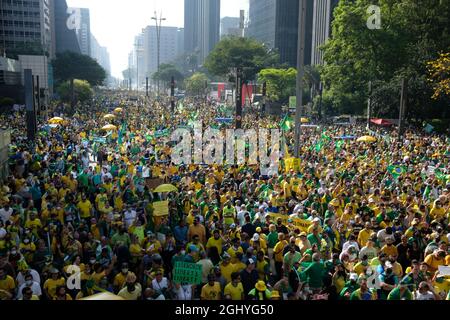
(272, 239)
(395, 294)
(315, 272)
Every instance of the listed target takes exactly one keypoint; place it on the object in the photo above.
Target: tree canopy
(246, 53)
(70, 65)
(195, 84)
(412, 33)
(165, 73)
(280, 83)
(82, 90)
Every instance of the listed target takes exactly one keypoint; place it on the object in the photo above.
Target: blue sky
(115, 23)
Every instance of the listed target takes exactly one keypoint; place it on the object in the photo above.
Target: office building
(286, 31)
(321, 27)
(82, 26)
(64, 35)
(171, 45)
(202, 27)
(261, 26)
(26, 27)
(100, 54)
(230, 26)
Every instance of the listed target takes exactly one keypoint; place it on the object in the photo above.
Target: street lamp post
(158, 38)
(300, 73)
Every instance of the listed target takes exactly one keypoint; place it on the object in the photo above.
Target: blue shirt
(180, 234)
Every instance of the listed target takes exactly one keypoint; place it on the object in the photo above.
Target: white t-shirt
(129, 216)
(159, 286)
(425, 296)
(20, 279)
(5, 214)
(183, 293)
(35, 287)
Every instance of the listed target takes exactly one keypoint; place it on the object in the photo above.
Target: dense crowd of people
(374, 215)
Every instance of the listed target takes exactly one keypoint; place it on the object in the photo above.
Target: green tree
(69, 66)
(248, 54)
(412, 33)
(82, 90)
(165, 73)
(280, 83)
(195, 84)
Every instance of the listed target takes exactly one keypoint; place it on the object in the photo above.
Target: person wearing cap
(211, 290)
(52, 283)
(226, 267)
(350, 287)
(234, 289)
(132, 289)
(258, 243)
(151, 244)
(249, 276)
(260, 292)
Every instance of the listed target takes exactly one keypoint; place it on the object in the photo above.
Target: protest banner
(303, 225)
(187, 273)
(161, 208)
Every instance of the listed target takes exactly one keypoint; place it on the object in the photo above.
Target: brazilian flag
(396, 171)
(287, 123)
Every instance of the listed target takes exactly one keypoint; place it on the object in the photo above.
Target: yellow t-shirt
(234, 291)
(211, 292)
(215, 243)
(227, 270)
(278, 250)
(85, 209)
(50, 285)
(8, 285)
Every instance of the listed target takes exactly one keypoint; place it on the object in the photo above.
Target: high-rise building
(321, 29)
(171, 45)
(262, 14)
(286, 31)
(82, 25)
(202, 27)
(275, 23)
(229, 26)
(190, 25)
(64, 35)
(26, 27)
(100, 54)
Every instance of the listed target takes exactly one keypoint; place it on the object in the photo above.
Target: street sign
(187, 273)
(292, 102)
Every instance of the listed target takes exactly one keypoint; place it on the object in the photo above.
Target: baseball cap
(250, 261)
(255, 237)
(353, 276)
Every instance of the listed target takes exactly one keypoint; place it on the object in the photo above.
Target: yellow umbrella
(118, 110)
(109, 127)
(165, 188)
(103, 296)
(367, 139)
(56, 120)
(109, 116)
(304, 120)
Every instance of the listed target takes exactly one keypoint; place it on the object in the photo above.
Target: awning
(381, 122)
